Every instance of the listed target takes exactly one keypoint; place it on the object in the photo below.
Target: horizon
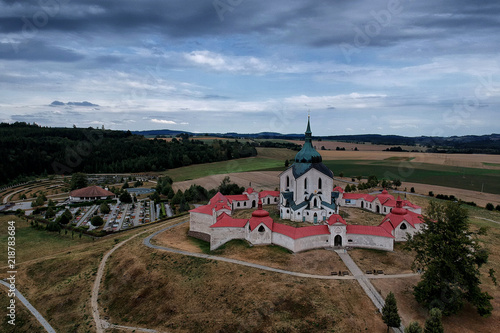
(390, 67)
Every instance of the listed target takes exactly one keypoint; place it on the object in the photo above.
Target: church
(307, 186)
(307, 194)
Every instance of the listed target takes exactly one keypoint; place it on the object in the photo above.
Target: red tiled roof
(263, 194)
(255, 221)
(396, 217)
(336, 218)
(384, 196)
(218, 197)
(338, 189)
(91, 192)
(368, 230)
(249, 190)
(227, 221)
(237, 197)
(353, 196)
(207, 209)
(357, 196)
(302, 232)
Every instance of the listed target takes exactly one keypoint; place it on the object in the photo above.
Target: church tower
(306, 186)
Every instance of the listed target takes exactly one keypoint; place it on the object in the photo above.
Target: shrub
(489, 206)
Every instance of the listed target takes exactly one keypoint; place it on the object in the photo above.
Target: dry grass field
(175, 293)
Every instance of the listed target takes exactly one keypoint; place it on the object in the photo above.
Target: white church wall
(370, 242)
(220, 236)
(199, 222)
(257, 237)
(283, 241)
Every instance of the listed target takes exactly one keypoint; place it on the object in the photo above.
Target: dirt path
(102, 325)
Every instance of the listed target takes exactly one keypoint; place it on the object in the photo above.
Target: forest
(29, 150)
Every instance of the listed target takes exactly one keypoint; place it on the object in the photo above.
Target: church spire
(308, 154)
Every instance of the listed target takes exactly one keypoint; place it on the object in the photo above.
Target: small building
(90, 193)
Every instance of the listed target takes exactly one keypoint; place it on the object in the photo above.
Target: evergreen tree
(78, 180)
(287, 163)
(65, 217)
(390, 314)
(50, 213)
(433, 324)
(177, 197)
(104, 208)
(414, 327)
(451, 256)
(125, 197)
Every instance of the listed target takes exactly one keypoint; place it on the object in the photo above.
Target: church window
(403, 226)
(319, 183)
(261, 229)
(305, 184)
(287, 181)
(238, 204)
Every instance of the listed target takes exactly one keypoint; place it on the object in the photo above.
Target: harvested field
(259, 180)
(481, 199)
(363, 146)
(480, 161)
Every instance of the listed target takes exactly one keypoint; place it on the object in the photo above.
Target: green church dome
(308, 154)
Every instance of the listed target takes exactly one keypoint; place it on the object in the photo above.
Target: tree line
(30, 150)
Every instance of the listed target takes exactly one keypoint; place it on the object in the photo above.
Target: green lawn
(240, 165)
(272, 159)
(32, 244)
(458, 177)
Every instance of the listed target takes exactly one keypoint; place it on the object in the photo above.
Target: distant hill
(468, 144)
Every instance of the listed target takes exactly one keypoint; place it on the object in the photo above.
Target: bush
(431, 194)
(497, 207)
(412, 190)
(489, 206)
(97, 221)
(53, 226)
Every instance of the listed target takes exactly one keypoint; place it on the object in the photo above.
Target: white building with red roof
(381, 203)
(90, 193)
(307, 195)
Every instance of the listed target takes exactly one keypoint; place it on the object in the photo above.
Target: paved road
(30, 307)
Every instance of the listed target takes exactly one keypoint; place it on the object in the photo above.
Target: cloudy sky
(374, 66)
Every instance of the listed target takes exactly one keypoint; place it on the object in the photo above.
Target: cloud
(84, 103)
(163, 121)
